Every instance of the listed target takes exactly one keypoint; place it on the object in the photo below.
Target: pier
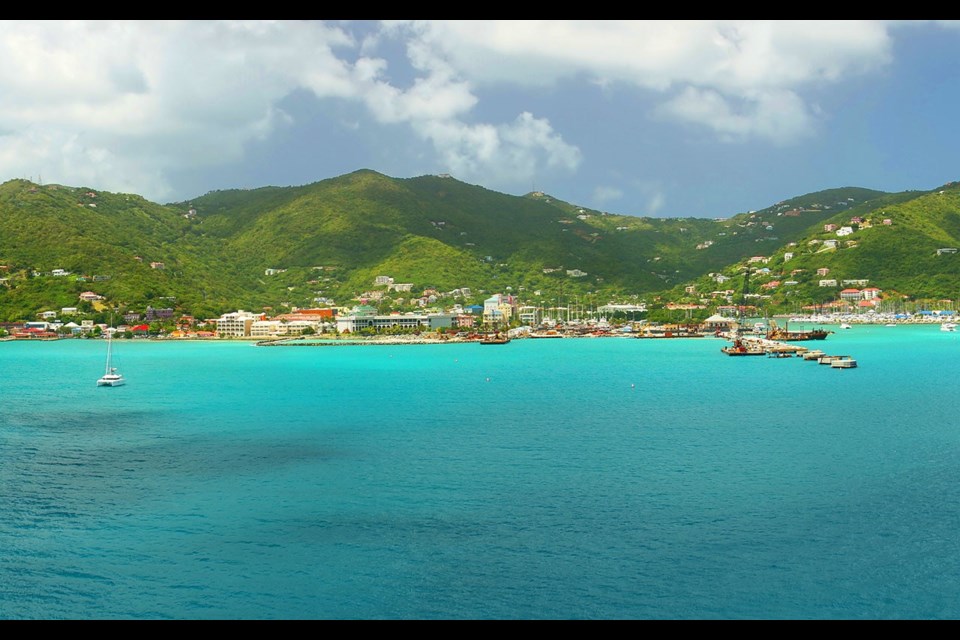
(778, 349)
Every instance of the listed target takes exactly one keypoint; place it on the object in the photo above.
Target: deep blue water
(543, 479)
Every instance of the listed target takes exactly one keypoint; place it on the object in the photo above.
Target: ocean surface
(604, 478)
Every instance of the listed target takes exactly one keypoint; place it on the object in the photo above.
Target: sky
(693, 118)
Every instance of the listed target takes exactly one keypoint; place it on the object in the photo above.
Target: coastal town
(499, 315)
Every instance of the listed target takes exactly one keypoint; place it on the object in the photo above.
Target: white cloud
(750, 72)
(603, 195)
(779, 116)
(115, 104)
(508, 154)
(655, 203)
(120, 103)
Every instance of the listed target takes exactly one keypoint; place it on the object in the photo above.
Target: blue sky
(646, 118)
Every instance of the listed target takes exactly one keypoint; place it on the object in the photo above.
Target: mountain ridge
(327, 241)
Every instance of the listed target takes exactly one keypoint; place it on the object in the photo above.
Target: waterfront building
(236, 324)
(499, 309)
(425, 322)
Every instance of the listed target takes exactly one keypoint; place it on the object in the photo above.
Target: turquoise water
(544, 479)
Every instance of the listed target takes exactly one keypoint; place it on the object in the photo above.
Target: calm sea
(543, 479)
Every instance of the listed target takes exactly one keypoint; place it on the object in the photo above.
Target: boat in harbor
(785, 335)
(110, 377)
(740, 348)
(948, 326)
(496, 338)
(670, 332)
(549, 333)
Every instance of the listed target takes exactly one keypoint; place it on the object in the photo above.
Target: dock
(779, 349)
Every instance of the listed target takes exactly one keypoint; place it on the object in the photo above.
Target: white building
(264, 328)
(426, 322)
(499, 308)
(236, 324)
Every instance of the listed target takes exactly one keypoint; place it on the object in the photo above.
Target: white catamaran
(110, 377)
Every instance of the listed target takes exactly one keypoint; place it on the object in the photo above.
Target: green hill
(901, 244)
(283, 247)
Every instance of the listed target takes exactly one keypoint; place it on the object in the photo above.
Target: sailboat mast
(109, 348)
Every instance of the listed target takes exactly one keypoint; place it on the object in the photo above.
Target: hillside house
(851, 295)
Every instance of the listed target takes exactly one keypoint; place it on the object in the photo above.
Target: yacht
(110, 377)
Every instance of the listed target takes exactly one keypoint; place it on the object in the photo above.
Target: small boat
(779, 354)
(495, 339)
(844, 325)
(549, 333)
(948, 326)
(843, 362)
(739, 348)
(110, 377)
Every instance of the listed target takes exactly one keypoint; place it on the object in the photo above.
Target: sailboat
(110, 377)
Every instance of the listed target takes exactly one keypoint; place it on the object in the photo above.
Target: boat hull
(797, 336)
(111, 381)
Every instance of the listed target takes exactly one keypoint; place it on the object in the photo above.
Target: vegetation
(279, 248)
